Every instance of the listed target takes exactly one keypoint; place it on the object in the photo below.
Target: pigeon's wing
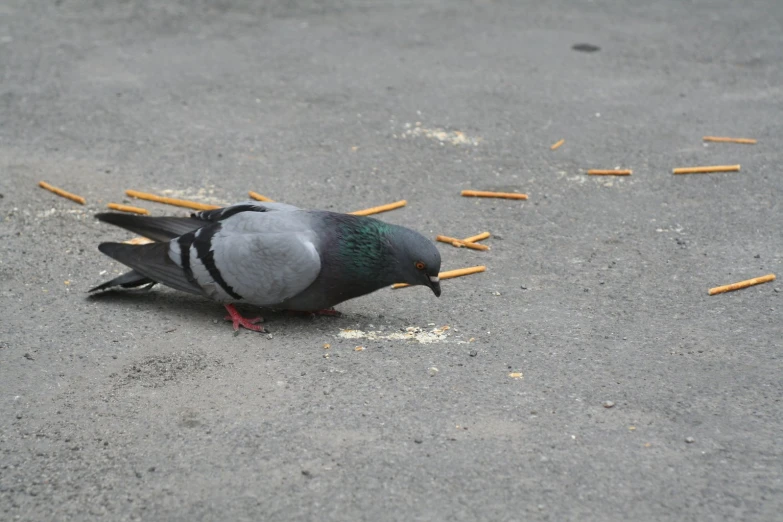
(219, 214)
(260, 258)
(151, 261)
(167, 228)
(130, 279)
(155, 228)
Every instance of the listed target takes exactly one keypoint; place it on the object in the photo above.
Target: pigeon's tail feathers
(152, 227)
(153, 262)
(130, 279)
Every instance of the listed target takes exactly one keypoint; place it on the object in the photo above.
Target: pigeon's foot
(251, 323)
(331, 312)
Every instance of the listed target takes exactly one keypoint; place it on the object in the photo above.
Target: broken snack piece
(379, 209)
(616, 172)
(706, 170)
(488, 194)
(742, 284)
(259, 197)
(719, 139)
(170, 201)
(450, 274)
(62, 193)
(128, 208)
(477, 237)
(461, 243)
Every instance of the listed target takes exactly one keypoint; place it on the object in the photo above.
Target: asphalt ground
(147, 406)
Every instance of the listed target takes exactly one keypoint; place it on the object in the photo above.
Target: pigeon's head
(418, 261)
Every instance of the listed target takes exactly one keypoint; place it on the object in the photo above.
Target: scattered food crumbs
(379, 209)
(327, 346)
(648, 445)
(62, 193)
(557, 145)
(359, 349)
(259, 197)
(742, 284)
(170, 201)
(608, 404)
(706, 170)
(433, 371)
(690, 440)
(471, 339)
(445, 327)
(67, 282)
(411, 333)
(631, 428)
(488, 194)
(442, 135)
(720, 139)
(615, 172)
(326, 356)
(515, 375)
(128, 208)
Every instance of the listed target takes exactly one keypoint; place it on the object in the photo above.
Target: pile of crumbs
(411, 333)
(442, 135)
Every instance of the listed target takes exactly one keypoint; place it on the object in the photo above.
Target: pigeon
(271, 255)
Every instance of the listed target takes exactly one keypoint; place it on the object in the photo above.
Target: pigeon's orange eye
(420, 265)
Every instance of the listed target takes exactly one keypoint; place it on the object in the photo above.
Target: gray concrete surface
(148, 407)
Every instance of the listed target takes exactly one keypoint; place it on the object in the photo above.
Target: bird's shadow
(200, 309)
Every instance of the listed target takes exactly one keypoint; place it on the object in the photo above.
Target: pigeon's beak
(435, 285)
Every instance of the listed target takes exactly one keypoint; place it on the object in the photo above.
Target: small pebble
(433, 371)
(690, 440)
(473, 353)
(523, 287)
(28, 357)
(608, 404)
(418, 441)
